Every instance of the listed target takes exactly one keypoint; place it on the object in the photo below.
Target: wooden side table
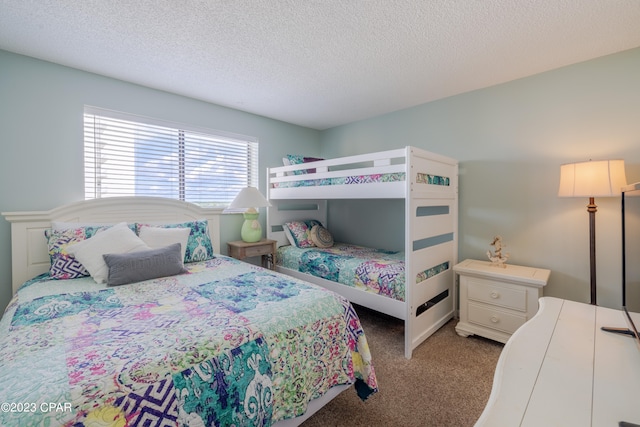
(265, 248)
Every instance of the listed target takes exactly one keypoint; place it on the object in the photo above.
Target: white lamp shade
(603, 178)
(249, 197)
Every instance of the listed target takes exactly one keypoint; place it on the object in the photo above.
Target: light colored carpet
(447, 382)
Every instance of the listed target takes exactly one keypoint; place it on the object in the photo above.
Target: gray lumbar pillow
(144, 265)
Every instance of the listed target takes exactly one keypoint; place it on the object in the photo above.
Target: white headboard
(29, 253)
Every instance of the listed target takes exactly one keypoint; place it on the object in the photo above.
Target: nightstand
(265, 248)
(495, 301)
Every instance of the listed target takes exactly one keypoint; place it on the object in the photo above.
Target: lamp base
(251, 230)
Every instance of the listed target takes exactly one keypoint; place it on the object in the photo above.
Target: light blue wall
(511, 140)
(41, 107)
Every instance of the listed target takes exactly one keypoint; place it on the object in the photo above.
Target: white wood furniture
(430, 193)
(29, 252)
(561, 369)
(495, 301)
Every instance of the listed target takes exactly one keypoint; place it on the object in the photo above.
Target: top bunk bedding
(343, 180)
(385, 174)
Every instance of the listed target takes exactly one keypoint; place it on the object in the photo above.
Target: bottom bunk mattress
(372, 270)
(225, 343)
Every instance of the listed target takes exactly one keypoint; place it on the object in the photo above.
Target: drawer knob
(495, 319)
(495, 295)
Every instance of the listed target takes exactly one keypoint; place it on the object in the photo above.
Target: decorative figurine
(497, 258)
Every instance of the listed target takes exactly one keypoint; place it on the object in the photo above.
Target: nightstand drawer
(258, 250)
(264, 248)
(494, 319)
(489, 292)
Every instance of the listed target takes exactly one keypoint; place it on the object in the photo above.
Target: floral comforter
(227, 343)
(373, 270)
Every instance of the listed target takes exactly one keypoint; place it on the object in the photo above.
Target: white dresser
(561, 369)
(496, 301)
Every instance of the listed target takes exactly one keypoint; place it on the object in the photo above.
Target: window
(127, 155)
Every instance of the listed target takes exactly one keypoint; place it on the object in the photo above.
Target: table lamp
(250, 198)
(604, 178)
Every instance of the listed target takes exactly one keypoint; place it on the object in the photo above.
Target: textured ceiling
(318, 63)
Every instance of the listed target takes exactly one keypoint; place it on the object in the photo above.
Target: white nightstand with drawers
(495, 301)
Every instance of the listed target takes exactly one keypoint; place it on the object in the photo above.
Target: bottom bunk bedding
(226, 343)
(372, 270)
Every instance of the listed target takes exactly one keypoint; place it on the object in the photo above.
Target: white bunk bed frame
(431, 227)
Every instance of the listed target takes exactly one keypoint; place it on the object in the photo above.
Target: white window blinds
(127, 155)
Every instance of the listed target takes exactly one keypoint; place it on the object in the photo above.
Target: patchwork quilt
(373, 270)
(227, 343)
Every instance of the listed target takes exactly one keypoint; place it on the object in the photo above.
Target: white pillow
(290, 238)
(159, 237)
(118, 239)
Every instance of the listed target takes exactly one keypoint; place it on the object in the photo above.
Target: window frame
(186, 159)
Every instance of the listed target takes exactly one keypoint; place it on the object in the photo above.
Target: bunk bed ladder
(431, 248)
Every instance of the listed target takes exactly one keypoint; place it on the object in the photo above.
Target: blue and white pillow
(64, 265)
(199, 245)
(296, 159)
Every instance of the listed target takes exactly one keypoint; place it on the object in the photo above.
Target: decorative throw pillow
(63, 264)
(199, 246)
(116, 239)
(158, 237)
(295, 159)
(299, 232)
(144, 265)
(321, 237)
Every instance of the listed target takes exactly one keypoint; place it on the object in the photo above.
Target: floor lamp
(604, 178)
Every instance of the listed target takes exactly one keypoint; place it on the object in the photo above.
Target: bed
(416, 284)
(221, 342)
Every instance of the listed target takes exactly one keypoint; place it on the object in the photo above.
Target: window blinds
(127, 155)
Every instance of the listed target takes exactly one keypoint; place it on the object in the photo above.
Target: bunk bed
(428, 183)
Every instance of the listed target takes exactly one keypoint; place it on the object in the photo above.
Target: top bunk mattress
(343, 180)
(372, 270)
(384, 174)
